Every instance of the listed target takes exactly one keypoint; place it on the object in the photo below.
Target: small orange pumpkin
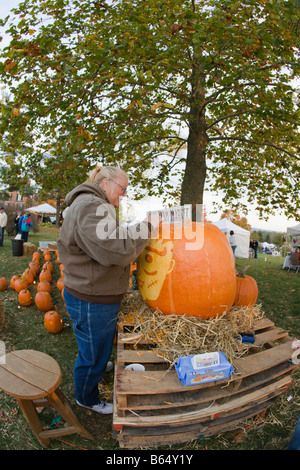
(20, 284)
(53, 322)
(35, 266)
(13, 280)
(61, 268)
(60, 283)
(3, 283)
(246, 291)
(43, 301)
(47, 255)
(57, 257)
(45, 275)
(48, 265)
(44, 286)
(28, 275)
(25, 297)
(36, 256)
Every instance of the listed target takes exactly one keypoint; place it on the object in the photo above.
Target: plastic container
(209, 368)
(135, 367)
(17, 247)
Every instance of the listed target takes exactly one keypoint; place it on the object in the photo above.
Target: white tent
(42, 209)
(242, 236)
(293, 230)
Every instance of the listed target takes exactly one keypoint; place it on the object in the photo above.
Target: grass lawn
(279, 295)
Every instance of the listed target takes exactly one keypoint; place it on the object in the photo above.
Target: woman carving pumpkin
(96, 253)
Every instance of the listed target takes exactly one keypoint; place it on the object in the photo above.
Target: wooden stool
(33, 377)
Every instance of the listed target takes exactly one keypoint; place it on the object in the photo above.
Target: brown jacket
(94, 249)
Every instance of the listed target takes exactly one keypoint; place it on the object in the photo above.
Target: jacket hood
(87, 188)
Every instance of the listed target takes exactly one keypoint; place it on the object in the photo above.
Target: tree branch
(254, 142)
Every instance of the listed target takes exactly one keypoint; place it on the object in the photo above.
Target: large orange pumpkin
(43, 301)
(246, 291)
(179, 274)
(3, 283)
(53, 322)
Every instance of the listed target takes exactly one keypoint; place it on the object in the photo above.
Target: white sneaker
(102, 407)
(109, 366)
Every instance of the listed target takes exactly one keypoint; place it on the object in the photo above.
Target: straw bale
(28, 248)
(183, 335)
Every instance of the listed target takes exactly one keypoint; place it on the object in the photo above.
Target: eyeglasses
(124, 190)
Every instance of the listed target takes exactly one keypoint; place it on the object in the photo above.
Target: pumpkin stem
(241, 273)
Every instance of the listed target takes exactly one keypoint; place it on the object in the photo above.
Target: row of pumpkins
(43, 298)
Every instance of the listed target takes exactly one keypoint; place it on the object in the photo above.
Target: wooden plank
(159, 403)
(129, 382)
(274, 334)
(211, 410)
(145, 357)
(131, 438)
(262, 324)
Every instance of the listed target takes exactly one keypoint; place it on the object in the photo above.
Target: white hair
(109, 172)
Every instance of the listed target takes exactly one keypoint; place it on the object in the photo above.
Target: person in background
(251, 250)
(255, 248)
(232, 241)
(3, 223)
(20, 223)
(16, 222)
(96, 252)
(25, 226)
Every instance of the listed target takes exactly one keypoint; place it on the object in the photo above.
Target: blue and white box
(203, 368)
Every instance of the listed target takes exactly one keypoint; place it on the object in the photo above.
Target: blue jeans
(94, 327)
(2, 235)
(295, 442)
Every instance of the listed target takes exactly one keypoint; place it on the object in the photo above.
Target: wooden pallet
(153, 408)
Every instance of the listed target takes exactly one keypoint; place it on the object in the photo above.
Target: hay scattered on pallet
(182, 335)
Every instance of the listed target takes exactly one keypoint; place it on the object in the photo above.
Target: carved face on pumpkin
(156, 262)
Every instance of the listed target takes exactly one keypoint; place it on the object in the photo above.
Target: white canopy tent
(293, 230)
(42, 209)
(242, 236)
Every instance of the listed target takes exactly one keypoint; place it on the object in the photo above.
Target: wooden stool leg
(58, 400)
(31, 416)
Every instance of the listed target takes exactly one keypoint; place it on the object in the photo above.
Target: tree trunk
(58, 197)
(192, 188)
